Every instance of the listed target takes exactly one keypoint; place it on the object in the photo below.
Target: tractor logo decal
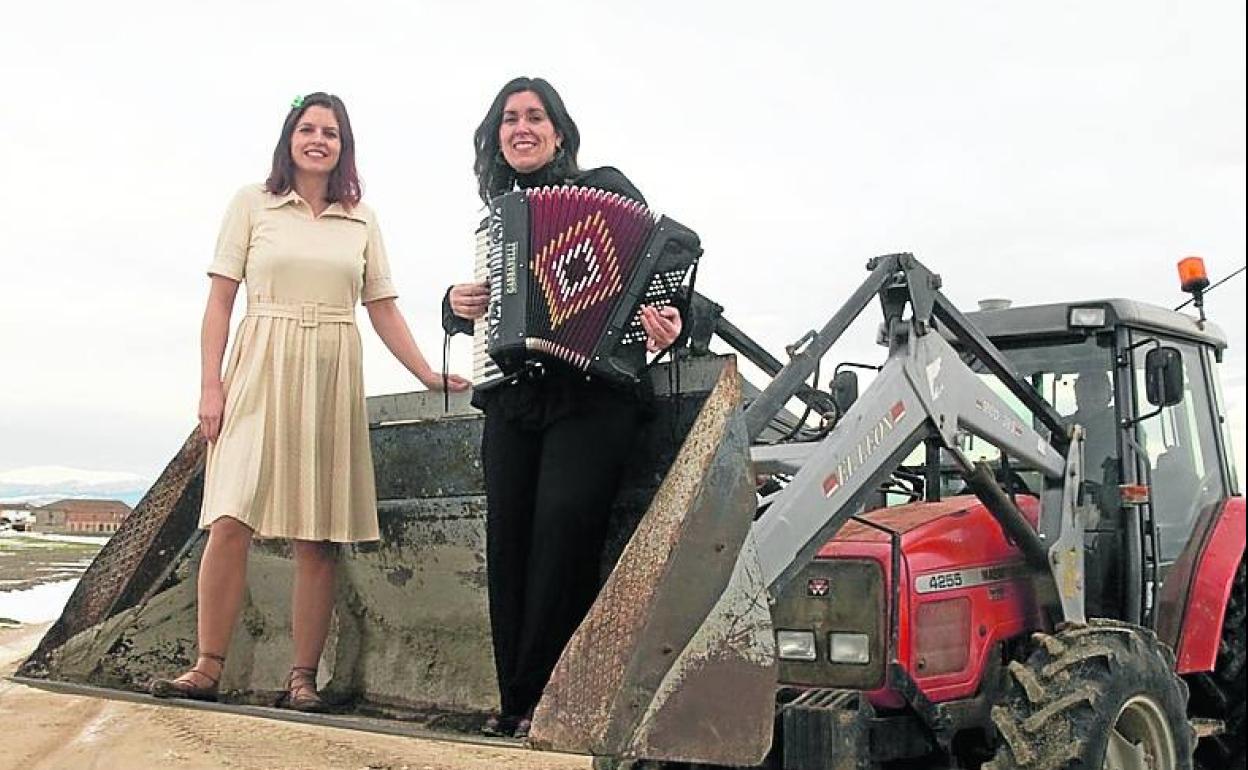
(866, 447)
(966, 578)
(997, 415)
(818, 587)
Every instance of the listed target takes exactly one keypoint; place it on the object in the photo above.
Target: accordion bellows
(569, 270)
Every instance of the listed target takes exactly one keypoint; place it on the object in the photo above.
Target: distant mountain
(43, 484)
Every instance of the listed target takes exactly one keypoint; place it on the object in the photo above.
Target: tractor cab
(1143, 383)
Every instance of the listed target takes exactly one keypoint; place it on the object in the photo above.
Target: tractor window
(1076, 378)
(1232, 461)
(1181, 449)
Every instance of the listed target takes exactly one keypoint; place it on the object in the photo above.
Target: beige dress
(293, 457)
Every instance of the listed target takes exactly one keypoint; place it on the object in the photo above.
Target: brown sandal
(183, 687)
(301, 694)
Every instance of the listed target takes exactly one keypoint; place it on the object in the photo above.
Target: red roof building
(81, 517)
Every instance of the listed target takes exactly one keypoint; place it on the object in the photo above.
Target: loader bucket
(410, 638)
(675, 660)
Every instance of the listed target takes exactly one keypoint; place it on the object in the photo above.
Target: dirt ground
(47, 731)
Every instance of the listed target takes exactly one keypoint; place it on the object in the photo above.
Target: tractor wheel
(1221, 694)
(1097, 697)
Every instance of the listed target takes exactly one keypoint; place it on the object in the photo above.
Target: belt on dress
(308, 314)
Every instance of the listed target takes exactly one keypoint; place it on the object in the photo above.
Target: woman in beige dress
(288, 453)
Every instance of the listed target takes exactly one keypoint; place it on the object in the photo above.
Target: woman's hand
(390, 326)
(662, 326)
(211, 407)
(469, 300)
(454, 383)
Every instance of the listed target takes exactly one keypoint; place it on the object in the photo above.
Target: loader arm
(676, 659)
(923, 391)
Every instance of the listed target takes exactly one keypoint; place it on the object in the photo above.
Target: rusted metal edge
(670, 579)
(149, 540)
(374, 725)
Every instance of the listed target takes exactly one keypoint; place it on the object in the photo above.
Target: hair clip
(296, 103)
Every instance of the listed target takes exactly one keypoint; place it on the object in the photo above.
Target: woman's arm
(390, 325)
(212, 338)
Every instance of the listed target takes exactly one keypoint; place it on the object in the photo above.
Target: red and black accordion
(569, 269)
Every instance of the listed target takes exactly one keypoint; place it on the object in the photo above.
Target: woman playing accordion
(557, 435)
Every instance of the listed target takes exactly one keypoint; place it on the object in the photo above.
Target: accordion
(569, 269)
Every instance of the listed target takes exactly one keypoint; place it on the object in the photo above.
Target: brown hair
(344, 180)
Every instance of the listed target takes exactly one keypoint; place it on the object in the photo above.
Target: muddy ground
(27, 561)
(48, 731)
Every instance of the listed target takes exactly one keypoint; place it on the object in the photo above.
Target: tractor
(1021, 547)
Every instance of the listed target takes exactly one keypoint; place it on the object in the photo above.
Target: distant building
(18, 516)
(81, 517)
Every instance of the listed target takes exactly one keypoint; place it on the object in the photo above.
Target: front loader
(768, 612)
(1021, 547)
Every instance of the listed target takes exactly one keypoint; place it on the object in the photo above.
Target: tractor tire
(1220, 694)
(1098, 697)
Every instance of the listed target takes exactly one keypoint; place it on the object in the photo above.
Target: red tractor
(953, 658)
(1022, 547)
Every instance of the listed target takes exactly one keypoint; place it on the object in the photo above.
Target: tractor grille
(844, 596)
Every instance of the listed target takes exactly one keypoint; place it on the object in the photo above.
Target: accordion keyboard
(488, 268)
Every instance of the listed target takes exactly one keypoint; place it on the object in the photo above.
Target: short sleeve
(377, 282)
(230, 258)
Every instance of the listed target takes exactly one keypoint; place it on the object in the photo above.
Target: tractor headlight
(849, 648)
(796, 645)
(1087, 317)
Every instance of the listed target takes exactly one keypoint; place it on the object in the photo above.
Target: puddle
(40, 604)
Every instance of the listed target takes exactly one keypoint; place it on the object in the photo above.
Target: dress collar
(290, 197)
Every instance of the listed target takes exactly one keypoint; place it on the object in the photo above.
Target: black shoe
(499, 726)
(522, 729)
(523, 726)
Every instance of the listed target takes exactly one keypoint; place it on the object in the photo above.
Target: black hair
(494, 175)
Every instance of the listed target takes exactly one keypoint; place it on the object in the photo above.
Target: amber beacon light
(1192, 274)
(1194, 280)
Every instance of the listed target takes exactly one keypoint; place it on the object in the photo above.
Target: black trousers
(549, 488)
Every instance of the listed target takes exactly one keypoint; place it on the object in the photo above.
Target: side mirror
(1163, 376)
(845, 389)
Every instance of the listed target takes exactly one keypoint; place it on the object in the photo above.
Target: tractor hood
(961, 518)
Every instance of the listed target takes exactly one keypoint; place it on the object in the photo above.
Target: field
(38, 572)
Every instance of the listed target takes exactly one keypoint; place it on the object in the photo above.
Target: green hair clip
(296, 103)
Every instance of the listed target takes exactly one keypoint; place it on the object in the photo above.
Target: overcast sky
(1038, 151)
